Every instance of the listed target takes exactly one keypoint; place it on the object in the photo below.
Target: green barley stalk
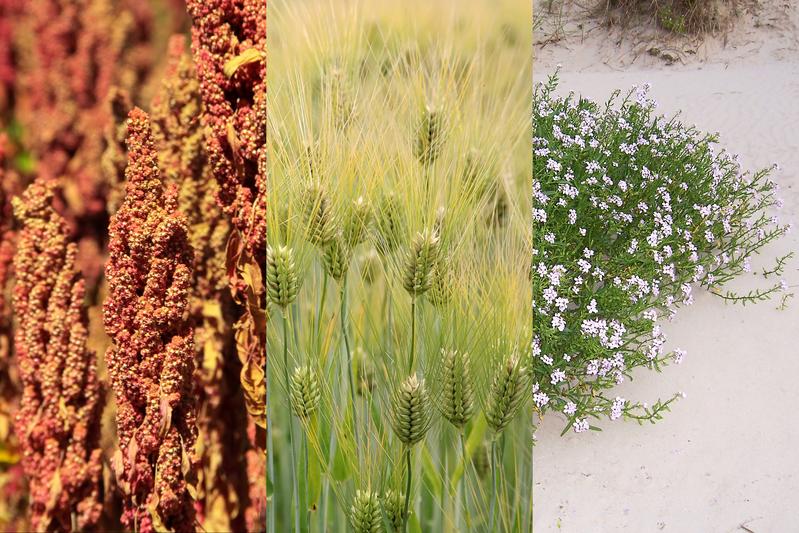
(282, 286)
(294, 486)
(457, 403)
(505, 400)
(304, 398)
(410, 419)
(417, 278)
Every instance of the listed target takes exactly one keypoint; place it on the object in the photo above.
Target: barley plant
(398, 260)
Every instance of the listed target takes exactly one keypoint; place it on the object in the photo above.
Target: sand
(727, 457)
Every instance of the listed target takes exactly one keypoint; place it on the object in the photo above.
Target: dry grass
(676, 16)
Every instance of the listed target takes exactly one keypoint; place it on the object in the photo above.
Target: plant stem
(320, 310)
(443, 512)
(295, 488)
(532, 479)
(462, 482)
(413, 335)
(326, 489)
(270, 452)
(494, 481)
(349, 367)
(305, 475)
(390, 325)
(405, 513)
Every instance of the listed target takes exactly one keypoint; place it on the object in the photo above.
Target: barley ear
(482, 460)
(304, 392)
(410, 411)
(420, 263)
(357, 221)
(507, 394)
(394, 508)
(320, 224)
(336, 258)
(339, 98)
(364, 373)
(430, 135)
(281, 276)
(370, 266)
(457, 403)
(441, 287)
(365, 513)
(390, 224)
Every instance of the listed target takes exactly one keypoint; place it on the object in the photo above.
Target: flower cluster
(8, 10)
(229, 47)
(115, 157)
(631, 212)
(58, 422)
(8, 189)
(12, 479)
(180, 138)
(151, 362)
(230, 53)
(72, 53)
(221, 413)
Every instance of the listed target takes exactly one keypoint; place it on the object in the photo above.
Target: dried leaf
(251, 55)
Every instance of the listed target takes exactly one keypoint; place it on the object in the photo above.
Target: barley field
(398, 266)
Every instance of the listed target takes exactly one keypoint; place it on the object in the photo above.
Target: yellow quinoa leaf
(166, 416)
(7, 454)
(253, 381)
(117, 467)
(212, 356)
(251, 274)
(152, 508)
(216, 514)
(250, 55)
(8, 457)
(233, 138)
(56, 488)
(212, 309)
(5, 428)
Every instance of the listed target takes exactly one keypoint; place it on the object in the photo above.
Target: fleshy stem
(407, 489)
(349, 366)
(532, 480)
(295, 488)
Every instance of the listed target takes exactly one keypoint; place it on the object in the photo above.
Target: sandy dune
(727, 457)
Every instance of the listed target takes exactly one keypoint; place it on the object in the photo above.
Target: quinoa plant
(138, 243)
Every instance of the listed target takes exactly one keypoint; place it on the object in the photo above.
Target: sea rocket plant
(631, 212)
